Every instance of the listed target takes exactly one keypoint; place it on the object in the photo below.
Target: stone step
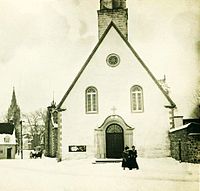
(107, 160)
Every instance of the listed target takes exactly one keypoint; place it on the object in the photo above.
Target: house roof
(190, 120)
(172, 104)
(192, 128)
(6, 128)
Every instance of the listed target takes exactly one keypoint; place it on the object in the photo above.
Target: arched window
(91, 100)
(137, 104)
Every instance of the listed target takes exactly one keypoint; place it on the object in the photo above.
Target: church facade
(115, 100)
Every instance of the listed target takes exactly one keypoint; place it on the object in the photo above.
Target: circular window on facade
(113, 60)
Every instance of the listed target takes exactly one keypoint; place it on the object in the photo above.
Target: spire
(53, 103)
(14, 100)
(14, 110)
(13, 115)
(113, 11)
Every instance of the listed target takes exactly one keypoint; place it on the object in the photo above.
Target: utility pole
(21, 140)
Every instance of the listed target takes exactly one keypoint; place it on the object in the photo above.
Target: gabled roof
(172, 104)
(6, 128)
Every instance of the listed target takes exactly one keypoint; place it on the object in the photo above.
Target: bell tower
(115, 11)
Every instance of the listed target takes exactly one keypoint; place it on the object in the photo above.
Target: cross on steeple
(113, 109)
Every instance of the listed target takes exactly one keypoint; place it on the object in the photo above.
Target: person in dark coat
(125, 157)
(132, 162)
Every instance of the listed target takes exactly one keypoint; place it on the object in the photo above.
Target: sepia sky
(44, 43)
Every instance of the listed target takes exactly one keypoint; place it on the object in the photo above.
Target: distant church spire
(13, 115)
(13, 110)
(13, 100)
(115, 11)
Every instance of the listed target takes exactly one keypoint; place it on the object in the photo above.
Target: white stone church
(114, 100)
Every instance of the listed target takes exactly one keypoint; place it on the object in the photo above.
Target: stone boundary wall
(185, 146)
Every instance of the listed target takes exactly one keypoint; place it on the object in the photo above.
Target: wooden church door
(114, 141)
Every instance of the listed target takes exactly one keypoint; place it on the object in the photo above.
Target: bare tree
(196, 110)
(34, 125)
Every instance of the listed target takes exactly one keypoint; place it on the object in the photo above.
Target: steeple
(115, 11)
(14, 110)
(13, 115)
(112, 4)
(13, 101)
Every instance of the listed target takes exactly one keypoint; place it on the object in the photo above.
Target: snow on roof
(194, 128)
(179, 128)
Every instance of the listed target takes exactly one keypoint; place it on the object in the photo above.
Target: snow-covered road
(164, 174)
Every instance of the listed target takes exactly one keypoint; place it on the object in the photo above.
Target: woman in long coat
(125, 154)
(132, 162)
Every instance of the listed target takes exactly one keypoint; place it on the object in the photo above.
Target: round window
(113, 60)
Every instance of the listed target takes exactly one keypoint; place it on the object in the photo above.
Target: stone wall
(51, 139)
(118, 16)
(185, 146)
(59, 137)
(194, 149)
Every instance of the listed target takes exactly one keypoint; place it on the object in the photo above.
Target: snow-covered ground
(162, 174)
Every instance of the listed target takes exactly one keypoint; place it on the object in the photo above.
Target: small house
(7, 141)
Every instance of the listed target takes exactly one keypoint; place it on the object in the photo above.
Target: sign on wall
(77, 148)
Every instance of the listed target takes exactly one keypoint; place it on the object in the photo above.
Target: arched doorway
(113, 130)
(114, 141)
